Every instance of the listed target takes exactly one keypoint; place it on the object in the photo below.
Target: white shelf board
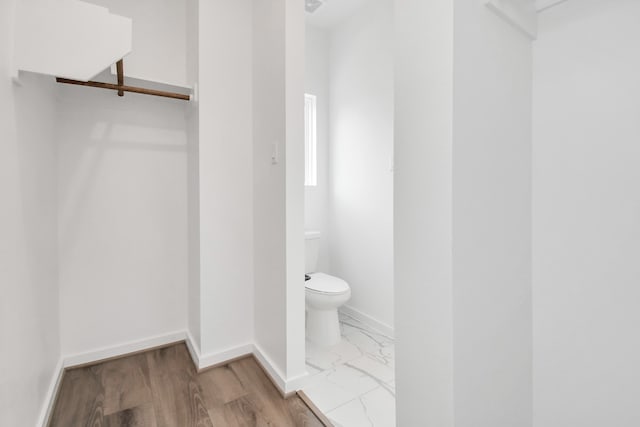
(68, 38)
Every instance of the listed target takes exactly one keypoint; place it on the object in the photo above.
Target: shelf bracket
(120, 67)
(121, 88)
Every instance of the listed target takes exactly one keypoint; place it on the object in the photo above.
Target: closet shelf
(140, 86)
(68, 38)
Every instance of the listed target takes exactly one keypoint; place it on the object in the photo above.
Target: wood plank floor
(161, 388)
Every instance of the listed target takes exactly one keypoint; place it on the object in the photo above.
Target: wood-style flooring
(161, 388)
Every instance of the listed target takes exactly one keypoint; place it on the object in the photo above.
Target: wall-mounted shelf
(133, 85)
(68, 38)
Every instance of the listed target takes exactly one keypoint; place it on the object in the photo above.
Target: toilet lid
(325, 283)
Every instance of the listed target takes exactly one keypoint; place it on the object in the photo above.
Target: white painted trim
(369, 321)
(272, 370)
(542, 5)
(212, 359)
(194, 349)
(122, 349)
(285, 386)
(520, 14)
(296, 383)
(205, 361)
(50, 396)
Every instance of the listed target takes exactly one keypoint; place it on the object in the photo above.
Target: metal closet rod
(121, 87)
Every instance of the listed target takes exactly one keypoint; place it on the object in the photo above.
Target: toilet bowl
(323, 295)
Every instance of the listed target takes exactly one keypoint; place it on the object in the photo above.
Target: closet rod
(122, 88)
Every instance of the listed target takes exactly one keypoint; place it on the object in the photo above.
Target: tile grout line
(378, 381)
(379, 340)
(358, 397)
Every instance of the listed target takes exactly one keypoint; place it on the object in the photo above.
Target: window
(310, 138)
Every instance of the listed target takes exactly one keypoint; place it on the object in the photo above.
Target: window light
(310, 139)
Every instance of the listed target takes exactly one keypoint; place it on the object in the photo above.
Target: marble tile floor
(353, 383)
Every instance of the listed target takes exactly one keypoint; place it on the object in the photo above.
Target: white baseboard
(194, 349)
(122, 349)
(204, 361)
(285, 386)
(215, 359)
(276, 375)
(50, 396)
(296, 383)
(96, 356)
(369, 321)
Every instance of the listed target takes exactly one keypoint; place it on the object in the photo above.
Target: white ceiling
(332, 12)
(546, 4)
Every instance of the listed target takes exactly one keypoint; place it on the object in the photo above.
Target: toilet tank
(311, 251)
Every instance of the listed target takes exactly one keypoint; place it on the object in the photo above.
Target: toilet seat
(325, 284)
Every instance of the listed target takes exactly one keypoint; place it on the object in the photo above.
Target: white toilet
(323, 295)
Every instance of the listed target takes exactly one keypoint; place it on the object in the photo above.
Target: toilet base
(323, 327)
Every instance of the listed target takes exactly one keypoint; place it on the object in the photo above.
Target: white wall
(278, 124)
(29, 327)
(423, 89)
(294, 65)
(122, 193)
(462, 206)
(225, 175)
(586, 215)
(269, 220)
(316, 209)
(193, 175)
(361, 158)
(159, 38)
(491, 220)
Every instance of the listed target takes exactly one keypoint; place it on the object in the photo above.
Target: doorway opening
(348, 215)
